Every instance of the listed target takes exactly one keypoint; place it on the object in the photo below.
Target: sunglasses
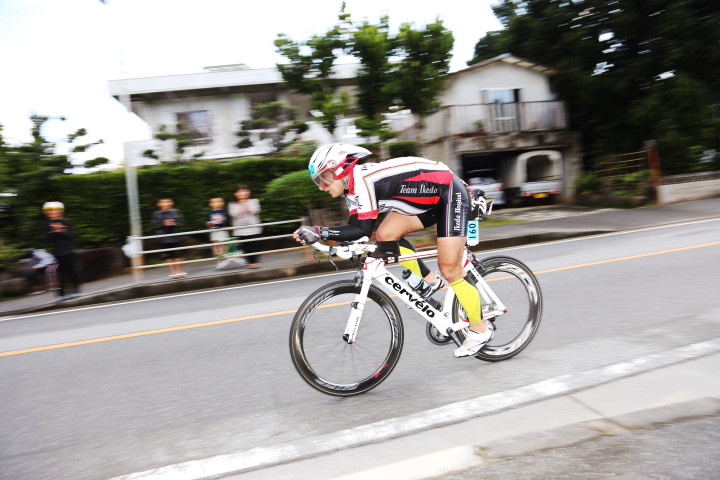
(325, 179)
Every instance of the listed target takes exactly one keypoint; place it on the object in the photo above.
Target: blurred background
(594, 125)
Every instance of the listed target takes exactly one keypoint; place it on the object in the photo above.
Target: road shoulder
(588, 404)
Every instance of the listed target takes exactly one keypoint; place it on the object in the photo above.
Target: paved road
(686, 450)
(103, 409)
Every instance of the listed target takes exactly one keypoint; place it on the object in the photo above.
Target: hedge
(97, 203)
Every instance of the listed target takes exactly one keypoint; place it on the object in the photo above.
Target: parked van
(532, 175)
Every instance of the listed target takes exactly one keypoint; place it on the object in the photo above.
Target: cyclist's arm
(352, 231)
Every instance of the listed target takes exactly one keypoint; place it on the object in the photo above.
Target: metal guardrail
(138, 252)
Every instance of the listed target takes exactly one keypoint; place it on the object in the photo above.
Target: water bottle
(421, 287)
(416, 283)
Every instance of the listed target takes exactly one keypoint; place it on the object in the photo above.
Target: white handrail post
(136, 259)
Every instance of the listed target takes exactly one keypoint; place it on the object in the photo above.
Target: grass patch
(496, 222)
(428, 235)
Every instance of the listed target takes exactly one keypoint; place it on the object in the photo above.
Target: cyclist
(417, 193)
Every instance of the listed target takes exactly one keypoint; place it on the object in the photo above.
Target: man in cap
(59, 233)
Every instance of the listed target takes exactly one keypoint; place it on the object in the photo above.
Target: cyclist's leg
(452, 230)
(450, 250)
(394, 227)
(418, 267)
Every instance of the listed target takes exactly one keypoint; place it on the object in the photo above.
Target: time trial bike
(347, 336)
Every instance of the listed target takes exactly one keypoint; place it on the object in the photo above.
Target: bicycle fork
(356, 309)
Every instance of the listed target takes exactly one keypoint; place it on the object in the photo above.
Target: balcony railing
(495, 118)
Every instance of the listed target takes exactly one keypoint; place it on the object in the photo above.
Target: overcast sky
(57, 55)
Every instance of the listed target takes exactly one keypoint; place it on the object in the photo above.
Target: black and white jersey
(407, 185)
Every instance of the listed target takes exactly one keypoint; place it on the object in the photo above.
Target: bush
(300, 148)
(292, 196)
(587, 183)
(9, 257)
(632, 184)
(403, 149)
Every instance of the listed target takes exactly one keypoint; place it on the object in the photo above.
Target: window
(500, 96)
(541, 168)
(352, 131)
(198, 121)
(503, 105)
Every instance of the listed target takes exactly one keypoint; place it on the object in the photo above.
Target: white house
(215, 102)
(494, 111)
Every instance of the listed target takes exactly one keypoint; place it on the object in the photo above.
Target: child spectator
(217, 218)
(60, 233)
(168, 220)
(244, 213)
(35, 262)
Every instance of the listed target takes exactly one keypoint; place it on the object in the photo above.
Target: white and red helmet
(337, 158)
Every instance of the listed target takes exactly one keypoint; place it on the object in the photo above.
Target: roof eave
(511, 60)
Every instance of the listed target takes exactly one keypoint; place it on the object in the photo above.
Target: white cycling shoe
(435, 286)
(475, 341)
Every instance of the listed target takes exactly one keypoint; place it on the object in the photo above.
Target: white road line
(262, 457)
(624, 232)
(119, 304)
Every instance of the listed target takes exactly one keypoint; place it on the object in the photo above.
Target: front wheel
(517, 288)
(322, 356)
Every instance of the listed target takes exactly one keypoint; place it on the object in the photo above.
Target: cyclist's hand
(307, 235)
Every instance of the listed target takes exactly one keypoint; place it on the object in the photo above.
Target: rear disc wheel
(518, 289)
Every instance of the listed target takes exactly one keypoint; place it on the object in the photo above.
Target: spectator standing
(60, 233)
(244, 213)
(35, 262)
(168, 220)
(218, 218)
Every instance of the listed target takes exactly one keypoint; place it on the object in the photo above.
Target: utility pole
(134, 210)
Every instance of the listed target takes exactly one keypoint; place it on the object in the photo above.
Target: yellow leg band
(469, 298)
(411, 265)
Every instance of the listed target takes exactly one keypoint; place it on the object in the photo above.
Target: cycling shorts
(451, 212)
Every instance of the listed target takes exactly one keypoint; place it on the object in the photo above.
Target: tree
(413, 81)
(424, 64)
(272, 121)
(311, 74)
(183, 137)
(373, 46)
(630, 71)
(5, 174)
(403, 70)
(29, 171)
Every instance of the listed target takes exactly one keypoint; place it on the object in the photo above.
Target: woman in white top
(244, 212)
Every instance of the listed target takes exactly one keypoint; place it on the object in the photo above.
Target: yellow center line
(631, 257)
(288, 312)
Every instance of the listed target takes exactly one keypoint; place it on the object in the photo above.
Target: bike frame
(374, 269)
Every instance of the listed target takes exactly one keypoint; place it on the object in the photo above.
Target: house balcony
(489, 119)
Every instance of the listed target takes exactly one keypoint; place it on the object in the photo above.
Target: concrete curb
(147, 290)
(571, 434)
(458, 459)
